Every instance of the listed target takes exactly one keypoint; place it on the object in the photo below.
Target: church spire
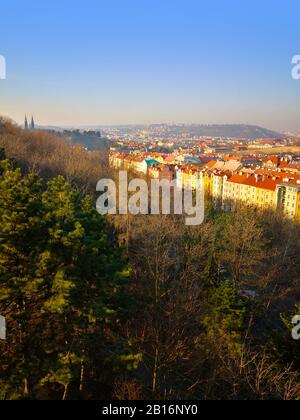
(32, 125)
(26, 123)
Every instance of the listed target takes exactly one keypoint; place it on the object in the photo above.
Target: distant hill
(226, 130)
(93, 140)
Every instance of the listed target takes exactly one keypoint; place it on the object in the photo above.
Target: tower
(26, 123)
(32, 125)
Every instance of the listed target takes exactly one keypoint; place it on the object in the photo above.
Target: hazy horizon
(99, 126)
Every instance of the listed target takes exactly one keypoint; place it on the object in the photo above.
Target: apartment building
(251, 190)
(162, 172)
(116, 160)
(289, 200)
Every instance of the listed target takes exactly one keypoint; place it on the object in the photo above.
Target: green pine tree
(62, 278)
(224, 320)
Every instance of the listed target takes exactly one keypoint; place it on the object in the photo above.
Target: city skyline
(130, 63)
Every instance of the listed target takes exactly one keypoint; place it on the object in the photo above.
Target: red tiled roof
(278, 174)
(285, 165)
(274, 159)
(266, 184)
(211, 163)
(170, 158)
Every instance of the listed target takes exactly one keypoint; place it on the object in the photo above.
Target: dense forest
(137, 307)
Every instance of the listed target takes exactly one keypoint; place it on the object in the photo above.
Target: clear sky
(72, 62)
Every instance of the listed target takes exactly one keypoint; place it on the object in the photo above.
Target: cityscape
(232, 170)
(149, 204)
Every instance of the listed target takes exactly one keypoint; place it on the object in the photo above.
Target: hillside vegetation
(49, 155)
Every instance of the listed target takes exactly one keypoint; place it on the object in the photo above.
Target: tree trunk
(26, 390)
(66, 387)
(81, 377)
(155, 369)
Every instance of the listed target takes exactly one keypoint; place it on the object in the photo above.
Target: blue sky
(144, 61)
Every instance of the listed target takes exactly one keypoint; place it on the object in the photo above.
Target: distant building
(32, 125)
(289, 199)
(26, 124)
(272, 162)
(187, 159)
(162, 172)
(230, 165)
